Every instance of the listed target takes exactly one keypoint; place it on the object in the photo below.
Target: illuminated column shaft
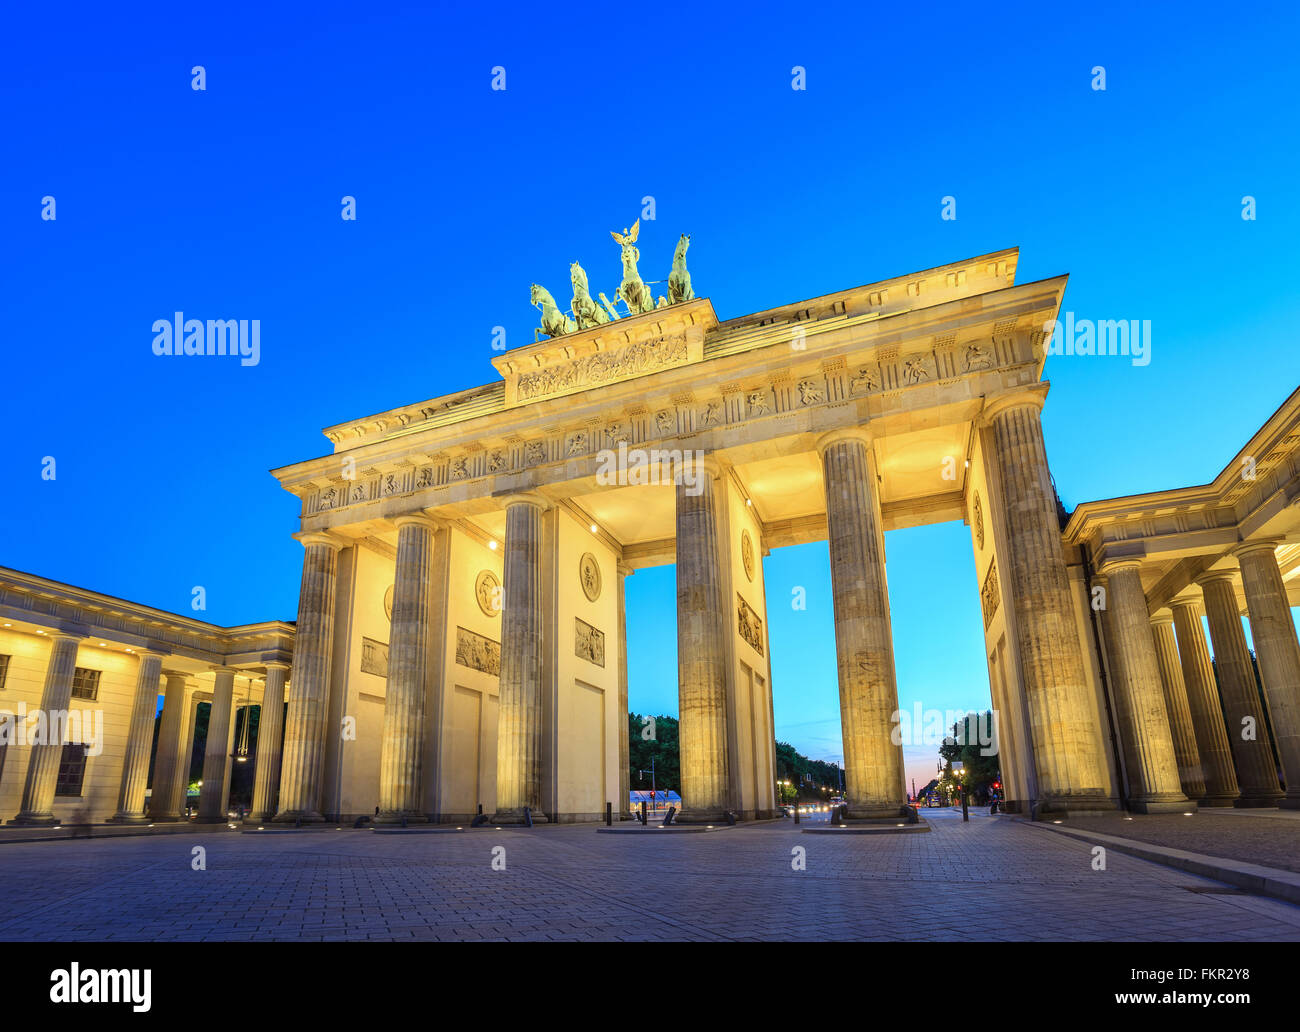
(43, 764)
(270, 729)
(139, 742)
(1190, 773)
(1203, 701)
(216, 753)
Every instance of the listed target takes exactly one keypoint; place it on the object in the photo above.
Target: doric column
(216, 753)
(43, 763)
(519, 716)
(1203, 703)
(1251, 751)
(1190, 773)
(624, 807)
(309, 693)
(139, 740)
(1278, 652)
(1069, 755)
(703, 617)
(270, 728)
(864, 643)
(167, 761)
(1148, 743)
(402, 750)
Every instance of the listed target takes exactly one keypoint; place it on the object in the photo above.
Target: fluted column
(43, 763)
(1069, 755)
(167, 761)
(702, 622)
(139, 740)
(270, 728)
(1190, 773)
(1148, 743)
(402, 750)
(216, 753)
(1278, 652)
(624, 752)
(1203, 703)
(1253, 755)
(864, 643)
(520, 713)
(309, 692)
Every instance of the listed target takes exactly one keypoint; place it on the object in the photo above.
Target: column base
(293, 817)
(1051, 807)
(517, 817)
(35, 820)
(1161, 806)
(168, 818)
(201, 819)
(1224, 800)
(128, 818)
(888, 814)
(1259, 802)
(399, 818)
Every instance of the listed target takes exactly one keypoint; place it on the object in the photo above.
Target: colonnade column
(1278, 652)
(624, 808)
(43, 764)
(270, 727)
(139, 741)
(703, 617)
(309, 693)
(1203, 703)
(402, 750)
(1191, 775)
(520, 713)
(167, 760)
(1149, 747)
(216, 753)
(1242, 708)
(1069, 755)
(864, 644)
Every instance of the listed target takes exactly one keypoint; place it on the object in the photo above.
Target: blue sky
(226, 203)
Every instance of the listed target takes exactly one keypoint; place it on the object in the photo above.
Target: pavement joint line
(1265, 881)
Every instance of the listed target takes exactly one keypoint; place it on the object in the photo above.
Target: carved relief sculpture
(748, 624)
(477, 652)
(588, 643)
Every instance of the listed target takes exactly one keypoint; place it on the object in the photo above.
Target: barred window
(85, 684)
(72, 769)
(4, 670)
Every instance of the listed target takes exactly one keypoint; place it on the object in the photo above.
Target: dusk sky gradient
(226, 204)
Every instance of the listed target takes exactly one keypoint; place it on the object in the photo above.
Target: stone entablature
(50, 605)
(841, 374)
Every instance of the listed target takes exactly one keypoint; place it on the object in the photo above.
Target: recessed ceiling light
(593, 528)
(492, 545)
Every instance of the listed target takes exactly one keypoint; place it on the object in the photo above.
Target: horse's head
(579, 278)
(539, 295)
(682, 245)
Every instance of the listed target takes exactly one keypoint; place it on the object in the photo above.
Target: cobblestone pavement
(1254, 837)
(1014, 881)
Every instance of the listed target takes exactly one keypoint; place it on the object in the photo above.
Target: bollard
(965, 811)
(642, 818)
(796, 811)
(609, 815)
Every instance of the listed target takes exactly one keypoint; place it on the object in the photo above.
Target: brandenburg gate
(461, 637)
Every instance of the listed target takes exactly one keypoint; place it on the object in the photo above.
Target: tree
(964, 746)
(653, 740)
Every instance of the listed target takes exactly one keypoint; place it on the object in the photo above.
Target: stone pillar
(520, 714)
(181, 799)
(1148, 744)
(624, 806)
(1069, 755)
(1252, 756)
(864, 643)
(1278, 653)
(1190, 773)
(309, 694)
(1203, 703)
(270, 728)
(402, 750)
(167, 761)
(216, 753)
(702, 623)
(139, 740)
(43, 764)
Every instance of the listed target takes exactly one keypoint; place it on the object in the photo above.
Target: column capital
(276, 664)
(1111, 566)
(1033, 396)
(1256, 545)
(624, 569)
(218, 672)
(1211, 576)
(1185, 602)
(418, 519)
(850, 433)
(1162, 617)
(309, 538)
(526, 498)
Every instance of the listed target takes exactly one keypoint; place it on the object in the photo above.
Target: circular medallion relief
(388, 603)
(589, 575)
(487, 589)
(977, 518)
(747, 553)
